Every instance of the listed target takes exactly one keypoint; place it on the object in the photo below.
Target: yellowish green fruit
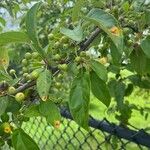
(20, 97)
(6, 127)
(28, 55)
(11, 90)
(34, 75)
(57, 57)
(24, 62)
(12, 71)
(35, 55)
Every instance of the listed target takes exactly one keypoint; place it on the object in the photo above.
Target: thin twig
(55, 71)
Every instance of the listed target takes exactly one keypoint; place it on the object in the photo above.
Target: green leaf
(31, 22)
(13, 37)
(4, 58)
(2, 21)
(13, 106)
(43, 84)
(79, 99)
(139, 61)
(31, 27)
(126, 6)
(99, 69)
(76, 34)
(116, 56)
(108, 23)
(77, 9)
(129, 89)
(32, 111)
(4, 76)
(50, 111)
(99, 89)
(140, 82)
(119, 90)
(22, 141)
(3, 104)
(145, 45)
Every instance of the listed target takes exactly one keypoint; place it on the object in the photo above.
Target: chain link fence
(103, 135)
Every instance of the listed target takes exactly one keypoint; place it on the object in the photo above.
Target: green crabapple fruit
(34, 75)
(28, 55)
(63, 67)
(35, 55)
(77, 59)
(12, 71)
(51, 36)
(20, 97)
(57, 57)
(11, 90)
(24, 62)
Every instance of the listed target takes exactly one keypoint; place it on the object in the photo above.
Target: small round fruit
(51, 36)
(64, 39)
(63, 67)
(82, 54)
(103, 60)
(57, 124)
(57, 57)
(77, 59)
(11, 90)
(129, 42)
(25, 75)
(35, 55)
(6, 127)
(57, 45)
(20, 97)
(58, 85)
(24, 62)
(65, 46)
(12, 71)
(34, 75)
(24, 69)
(28, 55)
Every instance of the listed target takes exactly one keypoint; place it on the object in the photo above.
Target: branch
(25, 86)
(83, 46)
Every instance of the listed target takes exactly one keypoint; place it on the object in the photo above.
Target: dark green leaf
(79, 99)
(4, 76)
(138, 61)
(13, 105)
(138, 81)
(31, 27)
(31, 22)
(108, 23)
(77, 9)
(43, 84)
(76, 34)
(116, 56)
(99, 69)
(145, 45)
(50, 111)
(32, 111)
(3, 104)
(129, 89)
(4, 58)
(22, 141)
(100, 89)
(13, 37)
(119, 94)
